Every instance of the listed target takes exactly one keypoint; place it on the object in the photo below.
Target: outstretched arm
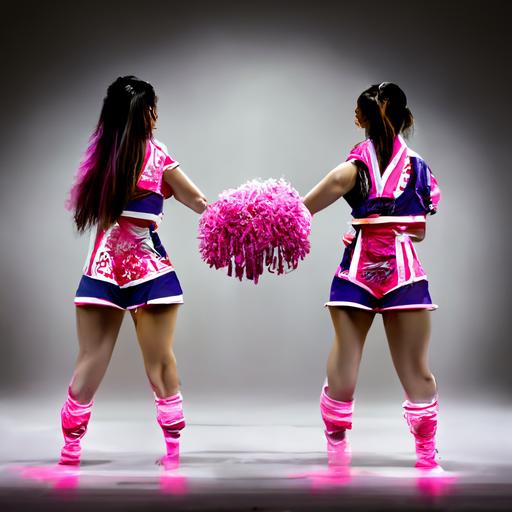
(184, 190)
(336, 184)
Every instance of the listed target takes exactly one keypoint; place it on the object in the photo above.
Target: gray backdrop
(257, 90)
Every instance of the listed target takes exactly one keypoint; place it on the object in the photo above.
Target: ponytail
(385, 113)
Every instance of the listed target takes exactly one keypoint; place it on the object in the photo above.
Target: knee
(341, 390)
(82, 391)
(161, 365)
(420, 387)
(161, 371)
(418, 376)
(413, 369)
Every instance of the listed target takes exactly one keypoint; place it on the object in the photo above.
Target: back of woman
(119, 195)
(391, 191)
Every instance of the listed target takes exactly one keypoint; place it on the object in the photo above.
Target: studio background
(257, 90)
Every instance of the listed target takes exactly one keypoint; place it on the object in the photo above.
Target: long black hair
(385, 114)
(114, 157)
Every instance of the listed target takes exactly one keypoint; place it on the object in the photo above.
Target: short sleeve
(168, 164)
(357, 153)
(156, 162)
(435, 192)
(427, 187)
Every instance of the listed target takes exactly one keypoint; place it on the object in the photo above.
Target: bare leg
(351, 326)
(155, 331)
(408, 334)
(155, 327)
(97, 328)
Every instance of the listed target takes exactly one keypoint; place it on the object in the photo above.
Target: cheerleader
(119, 194)
(391, 190)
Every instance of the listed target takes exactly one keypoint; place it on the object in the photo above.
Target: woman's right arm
(336, 184)
(184, 190)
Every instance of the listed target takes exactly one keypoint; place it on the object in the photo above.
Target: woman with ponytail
(391, 190)
(118, 194)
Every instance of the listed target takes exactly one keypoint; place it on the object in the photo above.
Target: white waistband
(157, 219)
(404, 219)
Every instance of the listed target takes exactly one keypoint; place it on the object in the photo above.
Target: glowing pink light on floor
(57, 476)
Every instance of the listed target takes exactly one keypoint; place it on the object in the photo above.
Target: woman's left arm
(184, 190)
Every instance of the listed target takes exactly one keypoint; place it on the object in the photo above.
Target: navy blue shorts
(165, 289)
(409, 296)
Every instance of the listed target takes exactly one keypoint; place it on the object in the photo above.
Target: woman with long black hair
(390, 189)
(118, 194)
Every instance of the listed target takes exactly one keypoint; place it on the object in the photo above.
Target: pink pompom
(260, 224)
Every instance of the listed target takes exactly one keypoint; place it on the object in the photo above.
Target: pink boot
(169, 414)
(422, 421)
(74, 419)
(337, 418)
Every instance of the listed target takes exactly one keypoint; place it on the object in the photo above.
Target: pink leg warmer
(337, 417)
(74, 419)
(422, 421)
(169, 414)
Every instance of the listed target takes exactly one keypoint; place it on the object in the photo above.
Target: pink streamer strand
(260, 224)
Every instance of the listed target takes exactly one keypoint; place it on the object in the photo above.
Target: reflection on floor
(260, 459)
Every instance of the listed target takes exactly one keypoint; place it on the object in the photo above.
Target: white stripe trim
(147, 278)
(408, 252)
(430, 307)
(392, 165)
(357, 283)
(92, 241)
(375, 169)
(400, 260)
(94, 300)
(386, 219)
(346, 303)
(151, 302)
(352, 272)
(412, 153)
(174, 299)
(171, 166)
(141, 215)
(415, 254)
(409, 281)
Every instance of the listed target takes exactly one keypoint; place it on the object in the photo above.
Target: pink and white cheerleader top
(380, 257)
(127, 266)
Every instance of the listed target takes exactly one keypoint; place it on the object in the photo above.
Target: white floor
(239, 456)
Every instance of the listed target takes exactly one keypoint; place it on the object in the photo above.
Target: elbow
(200, 204)
(196, 202)
(309, 205)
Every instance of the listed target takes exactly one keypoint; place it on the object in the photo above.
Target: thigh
(351, 327)
(155, 326)
(97, 328)
(408, 334)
